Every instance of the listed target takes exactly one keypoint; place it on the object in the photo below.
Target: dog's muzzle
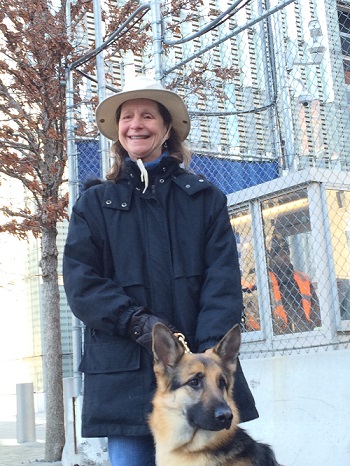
(213, 418)
(223, 416)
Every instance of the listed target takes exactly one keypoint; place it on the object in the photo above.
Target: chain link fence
(266, 84)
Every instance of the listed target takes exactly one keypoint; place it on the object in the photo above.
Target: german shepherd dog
(194, 418)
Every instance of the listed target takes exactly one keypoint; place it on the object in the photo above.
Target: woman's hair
(176, 148)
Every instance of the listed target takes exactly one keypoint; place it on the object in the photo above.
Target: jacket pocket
(190, 265)
(119, 355)
(134, 284)
(129, 276)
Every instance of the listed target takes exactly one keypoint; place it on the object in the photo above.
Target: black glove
(141, 324)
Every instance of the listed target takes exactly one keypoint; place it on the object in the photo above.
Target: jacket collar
(191, 183)
(164, 170)
(130, 181)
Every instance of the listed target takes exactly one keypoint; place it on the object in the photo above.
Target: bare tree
(34, 49)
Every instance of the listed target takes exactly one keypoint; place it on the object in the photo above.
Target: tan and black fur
(194, 418)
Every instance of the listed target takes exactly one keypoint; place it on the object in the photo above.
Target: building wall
(16, 342)
(304, 406)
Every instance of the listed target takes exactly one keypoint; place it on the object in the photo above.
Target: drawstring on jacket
(144, 173)
(149, 165)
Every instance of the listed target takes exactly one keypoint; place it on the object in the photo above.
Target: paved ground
(14, 454)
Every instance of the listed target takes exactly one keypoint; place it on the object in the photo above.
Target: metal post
(324, 272)
(101, 79)
(73, 192)
(262, 281)
(157, 37)
(269, 69)
(25, 413)
(71, 149)
(281, 68)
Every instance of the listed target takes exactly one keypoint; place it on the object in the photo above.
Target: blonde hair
(176, 148)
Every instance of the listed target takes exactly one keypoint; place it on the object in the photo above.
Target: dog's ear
(228, 347)
(167, 349)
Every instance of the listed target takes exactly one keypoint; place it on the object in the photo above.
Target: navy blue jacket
(170, 249)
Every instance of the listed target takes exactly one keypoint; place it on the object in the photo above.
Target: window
(290, 264)
(344, 29)
(338, 203)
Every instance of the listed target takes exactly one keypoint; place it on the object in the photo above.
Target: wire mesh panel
(225, 77)
(232, 175)
(294, 256)
(88, 162)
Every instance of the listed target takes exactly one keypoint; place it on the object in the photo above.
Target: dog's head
(197, 387)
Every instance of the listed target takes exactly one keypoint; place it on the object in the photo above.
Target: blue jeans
(131, 451)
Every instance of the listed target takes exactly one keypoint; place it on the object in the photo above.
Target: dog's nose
(223, 415)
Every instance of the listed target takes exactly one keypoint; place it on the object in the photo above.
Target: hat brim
(106, 111)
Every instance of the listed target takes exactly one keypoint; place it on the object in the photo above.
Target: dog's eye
(195, 382)
(222, 383)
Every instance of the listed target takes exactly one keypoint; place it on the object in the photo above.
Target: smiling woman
(172, 130)
(142, 130)
(152, 244)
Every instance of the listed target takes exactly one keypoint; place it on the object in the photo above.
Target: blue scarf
(152, 166)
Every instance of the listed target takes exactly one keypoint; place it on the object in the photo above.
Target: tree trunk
(52, 349)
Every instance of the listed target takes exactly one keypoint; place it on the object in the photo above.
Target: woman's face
(141, 129)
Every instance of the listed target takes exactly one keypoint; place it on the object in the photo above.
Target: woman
(151, 244)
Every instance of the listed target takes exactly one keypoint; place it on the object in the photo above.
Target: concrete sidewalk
(15, 454)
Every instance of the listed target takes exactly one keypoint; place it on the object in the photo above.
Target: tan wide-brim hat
(142, 87)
